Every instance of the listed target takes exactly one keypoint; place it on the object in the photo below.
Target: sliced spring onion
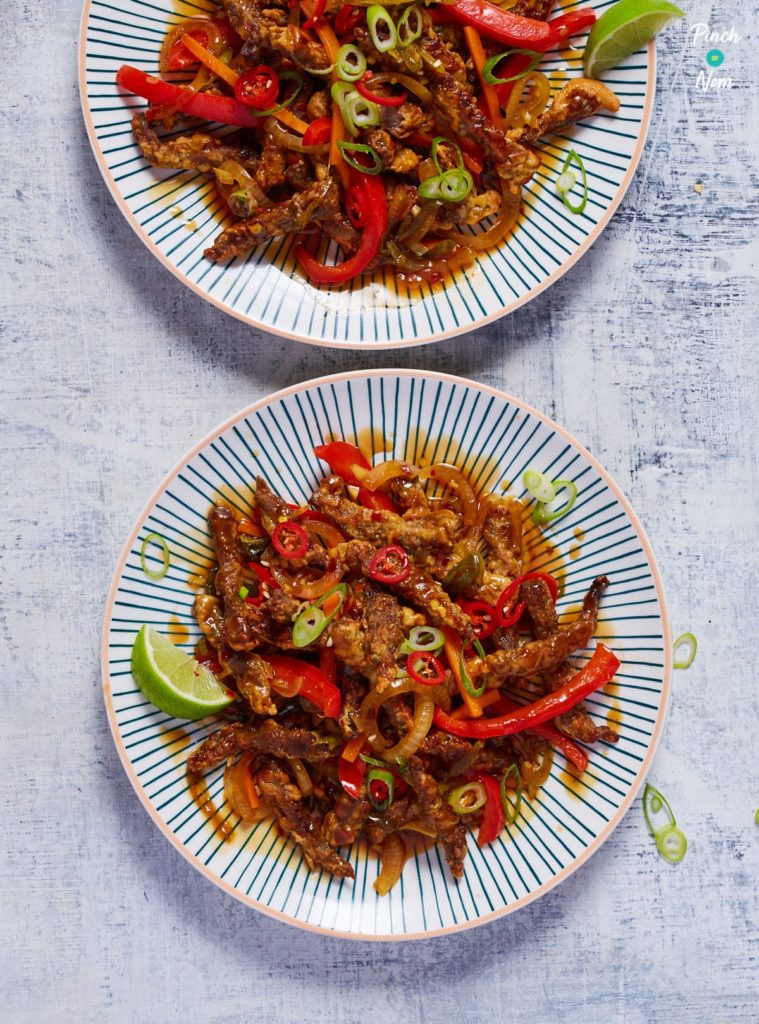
(242, 593)
(488, 68)
(376, 779)
(437, 142)
(312, 622)
(467, 799)
(350, 63)
(479, 648)
(409, 26)
(423, 638)
(756, 816)
(466, 680)
(687, 640)
(541, 513)
(357, 111)
(348, 148)
(573, 158)
(381, 28)
(670, 841)
(373, 760)
(566, 181)
(152, 574)
(511, 808)
(539, 486)
(452, 186)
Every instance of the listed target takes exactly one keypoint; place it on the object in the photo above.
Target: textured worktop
(112, 369)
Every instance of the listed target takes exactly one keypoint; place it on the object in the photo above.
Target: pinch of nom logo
(714, 57)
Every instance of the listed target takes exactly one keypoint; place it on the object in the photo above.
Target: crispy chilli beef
(356, 633)
(445, 155)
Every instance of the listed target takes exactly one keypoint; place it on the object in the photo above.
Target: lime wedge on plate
(624, 29)
(173, 681)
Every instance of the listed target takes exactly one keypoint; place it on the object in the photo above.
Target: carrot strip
(488, 698)
(353, 747)
(452, 647)
(212, 62)
(478, 58)
(291, 120)
(331, 45)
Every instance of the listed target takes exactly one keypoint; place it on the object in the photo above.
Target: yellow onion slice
(392, 858)
(454, 479)
(367, 715)
(387, 471)
(302, 777)
(215, 39)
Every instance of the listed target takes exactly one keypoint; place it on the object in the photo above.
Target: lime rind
(623, 30)
(172, 680)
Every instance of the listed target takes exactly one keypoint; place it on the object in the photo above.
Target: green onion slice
(541, 513)
(388, 779)
(566, 181)
(437, 142)
(488, 68)
(286, 75)
(756, 816)
(152, 574)
(479, 648)
(670, 841)
(381, 28)
(373, 760)
(242, 593)
(539, 486)
(455, 185)
(511, 808)
(573, 158)
(350, 63)
(423, 638)
(410, 26)
(347, 148)
(687, 640)
(356, 111)
(466, 680)
(312, 622)
(468, 799)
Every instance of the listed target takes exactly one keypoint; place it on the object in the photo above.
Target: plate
(176, 216)
(424, 417)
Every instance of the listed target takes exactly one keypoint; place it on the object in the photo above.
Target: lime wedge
(624, 29)
(173, 681)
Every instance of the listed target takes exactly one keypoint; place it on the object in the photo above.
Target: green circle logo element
(714, 58)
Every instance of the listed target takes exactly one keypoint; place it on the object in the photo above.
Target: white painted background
(111, 370)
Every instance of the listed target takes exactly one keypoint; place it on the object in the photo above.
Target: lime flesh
(173, 681)
(623, 30)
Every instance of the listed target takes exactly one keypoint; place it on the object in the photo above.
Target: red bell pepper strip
(205, 105)
(598, 671)
(328, 664)
(351, 775)
(493, 815)
(547, 731)
(318, 132)
(348, 18)
(180, 57)
(319, 7)
(570, 24)
(343, 459)
(375, 200)
(315, 686)
(495, 23)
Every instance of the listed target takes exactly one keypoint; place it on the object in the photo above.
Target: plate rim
(523, 901)
(428, 339)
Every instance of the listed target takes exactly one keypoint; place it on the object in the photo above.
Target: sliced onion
(240, 791)
(387, 471)
(392, 858)
(215, 39)
(424, 709)
(326, 532)
(287, 688)
(534, 777)
(304, 586)
(413, 229)
(287, 140)
(454, 479)
(520, 113)
(507, 215)
(301, 776)
(397, 78)
(367, 716)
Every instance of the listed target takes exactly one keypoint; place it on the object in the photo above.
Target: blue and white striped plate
(424, 417)
(178, 214)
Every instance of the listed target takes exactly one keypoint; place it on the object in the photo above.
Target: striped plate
(177, 214)
(423, 417)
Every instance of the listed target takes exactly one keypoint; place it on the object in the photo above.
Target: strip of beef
(291, 215)
(437, 814)
(579, 99)
(254, 676)
(536, 9)
(538, 656)
(418, 588)
(502, 533)
(263, 25)
(349, 643)
(578, 724)
(383, 625)
(207, 612)
(408, 495)
(384, 527)
(237, 631)
(381, 824)
(473, 209)
(540, 608)
(280, 606)
(344, 822)
(198, 151)
(457, 111)
(354, 691)
(283, 796)
(269, 738)
(270, 170)
(273, 509)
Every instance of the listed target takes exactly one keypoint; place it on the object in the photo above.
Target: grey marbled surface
(112, 369)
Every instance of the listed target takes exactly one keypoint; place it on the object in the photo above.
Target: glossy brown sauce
(614, 715)
(545, 556)
(576, 548)
(172, 736)
(574, 782)
(198, 790)
(178, 631)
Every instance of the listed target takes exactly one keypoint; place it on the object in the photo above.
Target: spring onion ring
(687, 640)
(381, 28)
(423, 638)
(574, 158)
(670, 841)
(541, 513)
(409, 27)
(349, 148)
(539, 486)
(488, 69)
(511, 808)
(468, 798)
(155, 538)
(350, 63)
(312, 622)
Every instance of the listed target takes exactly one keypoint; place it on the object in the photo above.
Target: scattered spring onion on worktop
(670, 840)
(688, 641)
